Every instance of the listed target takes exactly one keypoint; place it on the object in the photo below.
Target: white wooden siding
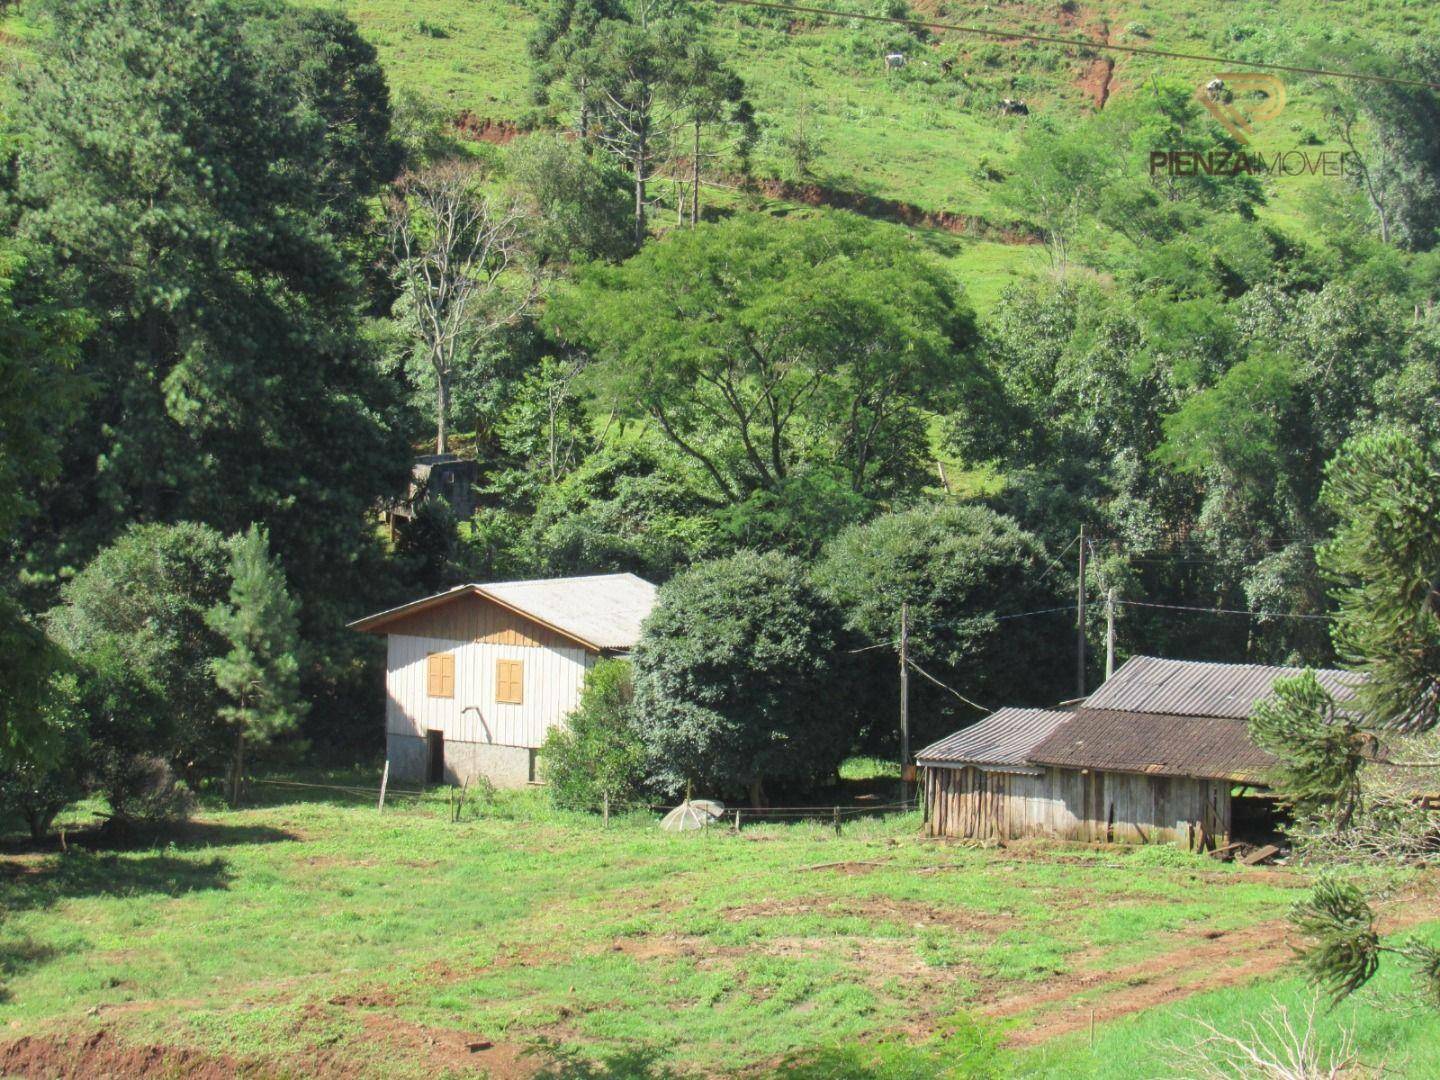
(553, 677)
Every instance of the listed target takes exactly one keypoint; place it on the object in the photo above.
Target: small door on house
(435, 744)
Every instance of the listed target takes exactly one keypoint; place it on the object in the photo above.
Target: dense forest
(246, 284)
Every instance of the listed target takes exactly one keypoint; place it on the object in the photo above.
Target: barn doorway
(435, 757)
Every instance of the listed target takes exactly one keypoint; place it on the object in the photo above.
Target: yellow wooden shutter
(440, 675)
(510, 681)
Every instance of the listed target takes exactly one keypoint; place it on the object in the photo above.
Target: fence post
(384, 780)
(837, 821)
(737, 820)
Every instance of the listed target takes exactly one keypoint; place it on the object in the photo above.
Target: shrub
(598, 754)
(142, 790)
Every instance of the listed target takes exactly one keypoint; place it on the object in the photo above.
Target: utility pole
(904, 699)
(1080, 621)
(1110, 631)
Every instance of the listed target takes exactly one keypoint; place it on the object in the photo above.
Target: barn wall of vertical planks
(1076, 804)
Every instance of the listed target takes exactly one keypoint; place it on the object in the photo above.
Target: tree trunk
(238, 768)
(638, 164)
(757, 793)
(442, 413)
(695, 180)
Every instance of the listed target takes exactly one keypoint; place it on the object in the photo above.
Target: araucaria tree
(1384, 559)
(767, 347)
(637, 79)
(259, 676)
(735, 680)
(1321, 749)
(1384, 556)
(460, 261)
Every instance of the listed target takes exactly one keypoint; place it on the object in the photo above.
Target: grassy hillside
(934, 142)
(283, 933)
(914, 135)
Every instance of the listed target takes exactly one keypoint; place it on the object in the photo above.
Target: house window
(440, 674)
(510, 681)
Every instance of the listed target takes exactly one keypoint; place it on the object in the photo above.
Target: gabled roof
(601, 611)
(1157, 716)
(1207, 747)
(1149, 684)
(1005, 737)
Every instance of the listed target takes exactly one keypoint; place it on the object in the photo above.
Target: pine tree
(260, 674)
(200, 169)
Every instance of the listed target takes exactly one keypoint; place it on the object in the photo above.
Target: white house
(476, 676)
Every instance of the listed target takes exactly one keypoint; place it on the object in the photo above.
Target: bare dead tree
(1276, 1046)
(460, 257)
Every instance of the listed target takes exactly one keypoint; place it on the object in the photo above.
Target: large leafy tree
(735, 679)
(960, 570)
(196, 165)
(762, 347)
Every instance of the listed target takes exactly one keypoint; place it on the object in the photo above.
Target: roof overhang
(377, 623)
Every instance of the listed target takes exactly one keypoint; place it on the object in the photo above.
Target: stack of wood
(1247, 854)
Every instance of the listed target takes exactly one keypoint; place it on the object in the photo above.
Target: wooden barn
(476, 676)
(1155, 755)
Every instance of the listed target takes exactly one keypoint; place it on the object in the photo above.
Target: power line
(1225, 611)
(1057, 560)
(1081, 43)
(1041, 611)
(952, 690)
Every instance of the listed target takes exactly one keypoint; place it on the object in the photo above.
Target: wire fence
(737, 818)
(348, 789)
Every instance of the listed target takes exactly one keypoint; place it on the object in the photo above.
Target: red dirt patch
(478, 129)
(1202, 960)
(1096, 80)
(445, 1049)
(367, 999)
(908, 913)
(1206, 961)
(101, 1054)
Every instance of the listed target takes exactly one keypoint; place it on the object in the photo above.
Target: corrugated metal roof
(1005, 737)
(1150, 684)
(1208, 747)
(603, 611)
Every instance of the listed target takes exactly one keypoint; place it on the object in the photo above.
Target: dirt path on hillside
(1216, 960)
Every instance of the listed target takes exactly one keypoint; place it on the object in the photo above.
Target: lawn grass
(298, 928)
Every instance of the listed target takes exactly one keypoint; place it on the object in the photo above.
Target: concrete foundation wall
(503, 766)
